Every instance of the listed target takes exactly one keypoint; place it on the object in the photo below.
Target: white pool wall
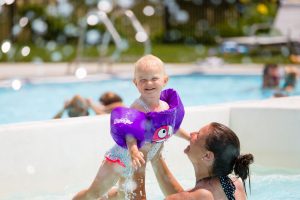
(55, 156)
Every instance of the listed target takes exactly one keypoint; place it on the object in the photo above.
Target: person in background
(215, 153)
(79, 106)
(271, 76)
(75, 107)
(108, 101)
(290, 79)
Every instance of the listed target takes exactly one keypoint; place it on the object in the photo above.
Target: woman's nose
(192, 135)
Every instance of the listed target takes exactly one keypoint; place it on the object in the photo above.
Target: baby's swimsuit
(121, 155)
(228, 187)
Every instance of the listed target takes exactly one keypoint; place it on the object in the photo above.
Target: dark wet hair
(109, 98)
(225, 145)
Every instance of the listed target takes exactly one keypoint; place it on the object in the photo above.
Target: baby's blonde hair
(148, 61)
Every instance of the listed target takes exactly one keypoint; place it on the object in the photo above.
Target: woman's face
(196, 150)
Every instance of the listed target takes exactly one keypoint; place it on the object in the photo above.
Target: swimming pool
(41, 101)
(49, 144)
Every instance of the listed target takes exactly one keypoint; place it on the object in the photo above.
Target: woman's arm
(183, 134)
(167, 182)
(178, 196)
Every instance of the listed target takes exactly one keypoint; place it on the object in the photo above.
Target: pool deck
(64, 72)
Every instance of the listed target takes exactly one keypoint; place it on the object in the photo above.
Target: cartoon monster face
(163, 133)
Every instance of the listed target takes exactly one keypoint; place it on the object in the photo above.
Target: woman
(215, 152)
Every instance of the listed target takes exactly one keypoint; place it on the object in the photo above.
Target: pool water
(265, 185)
(42, 101)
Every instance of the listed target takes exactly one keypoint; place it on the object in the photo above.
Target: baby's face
(150, 80)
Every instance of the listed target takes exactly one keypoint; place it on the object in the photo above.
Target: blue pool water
(42, 101)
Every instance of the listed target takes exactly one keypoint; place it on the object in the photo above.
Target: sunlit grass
(167, 52)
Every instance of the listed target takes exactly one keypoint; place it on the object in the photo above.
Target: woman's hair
(109, 98)
(225, 145)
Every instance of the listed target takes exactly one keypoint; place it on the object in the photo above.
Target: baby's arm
(137, 157)
(183, 134)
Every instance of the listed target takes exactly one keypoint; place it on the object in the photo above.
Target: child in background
(271, 76)
(152, 119)
(290, 79)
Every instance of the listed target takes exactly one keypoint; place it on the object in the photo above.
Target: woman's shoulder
(200, 193)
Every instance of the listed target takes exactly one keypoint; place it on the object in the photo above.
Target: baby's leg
(116, 193)
(129, 188)
(107, 176)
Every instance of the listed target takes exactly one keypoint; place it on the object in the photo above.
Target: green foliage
(36, 9)
(227, 30)
(181, 49)
(249, 17)
(55, 27)
(171, 53)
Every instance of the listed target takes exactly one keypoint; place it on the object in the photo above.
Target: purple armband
(151, 126)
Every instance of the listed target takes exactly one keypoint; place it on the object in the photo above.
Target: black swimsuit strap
(228, 187)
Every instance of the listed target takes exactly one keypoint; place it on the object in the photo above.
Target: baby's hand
(137, 158)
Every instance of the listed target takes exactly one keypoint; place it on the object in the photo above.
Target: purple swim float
(151, 126)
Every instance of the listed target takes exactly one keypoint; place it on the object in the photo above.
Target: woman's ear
(209, 157)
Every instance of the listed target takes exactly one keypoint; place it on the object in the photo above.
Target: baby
(139, 130)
